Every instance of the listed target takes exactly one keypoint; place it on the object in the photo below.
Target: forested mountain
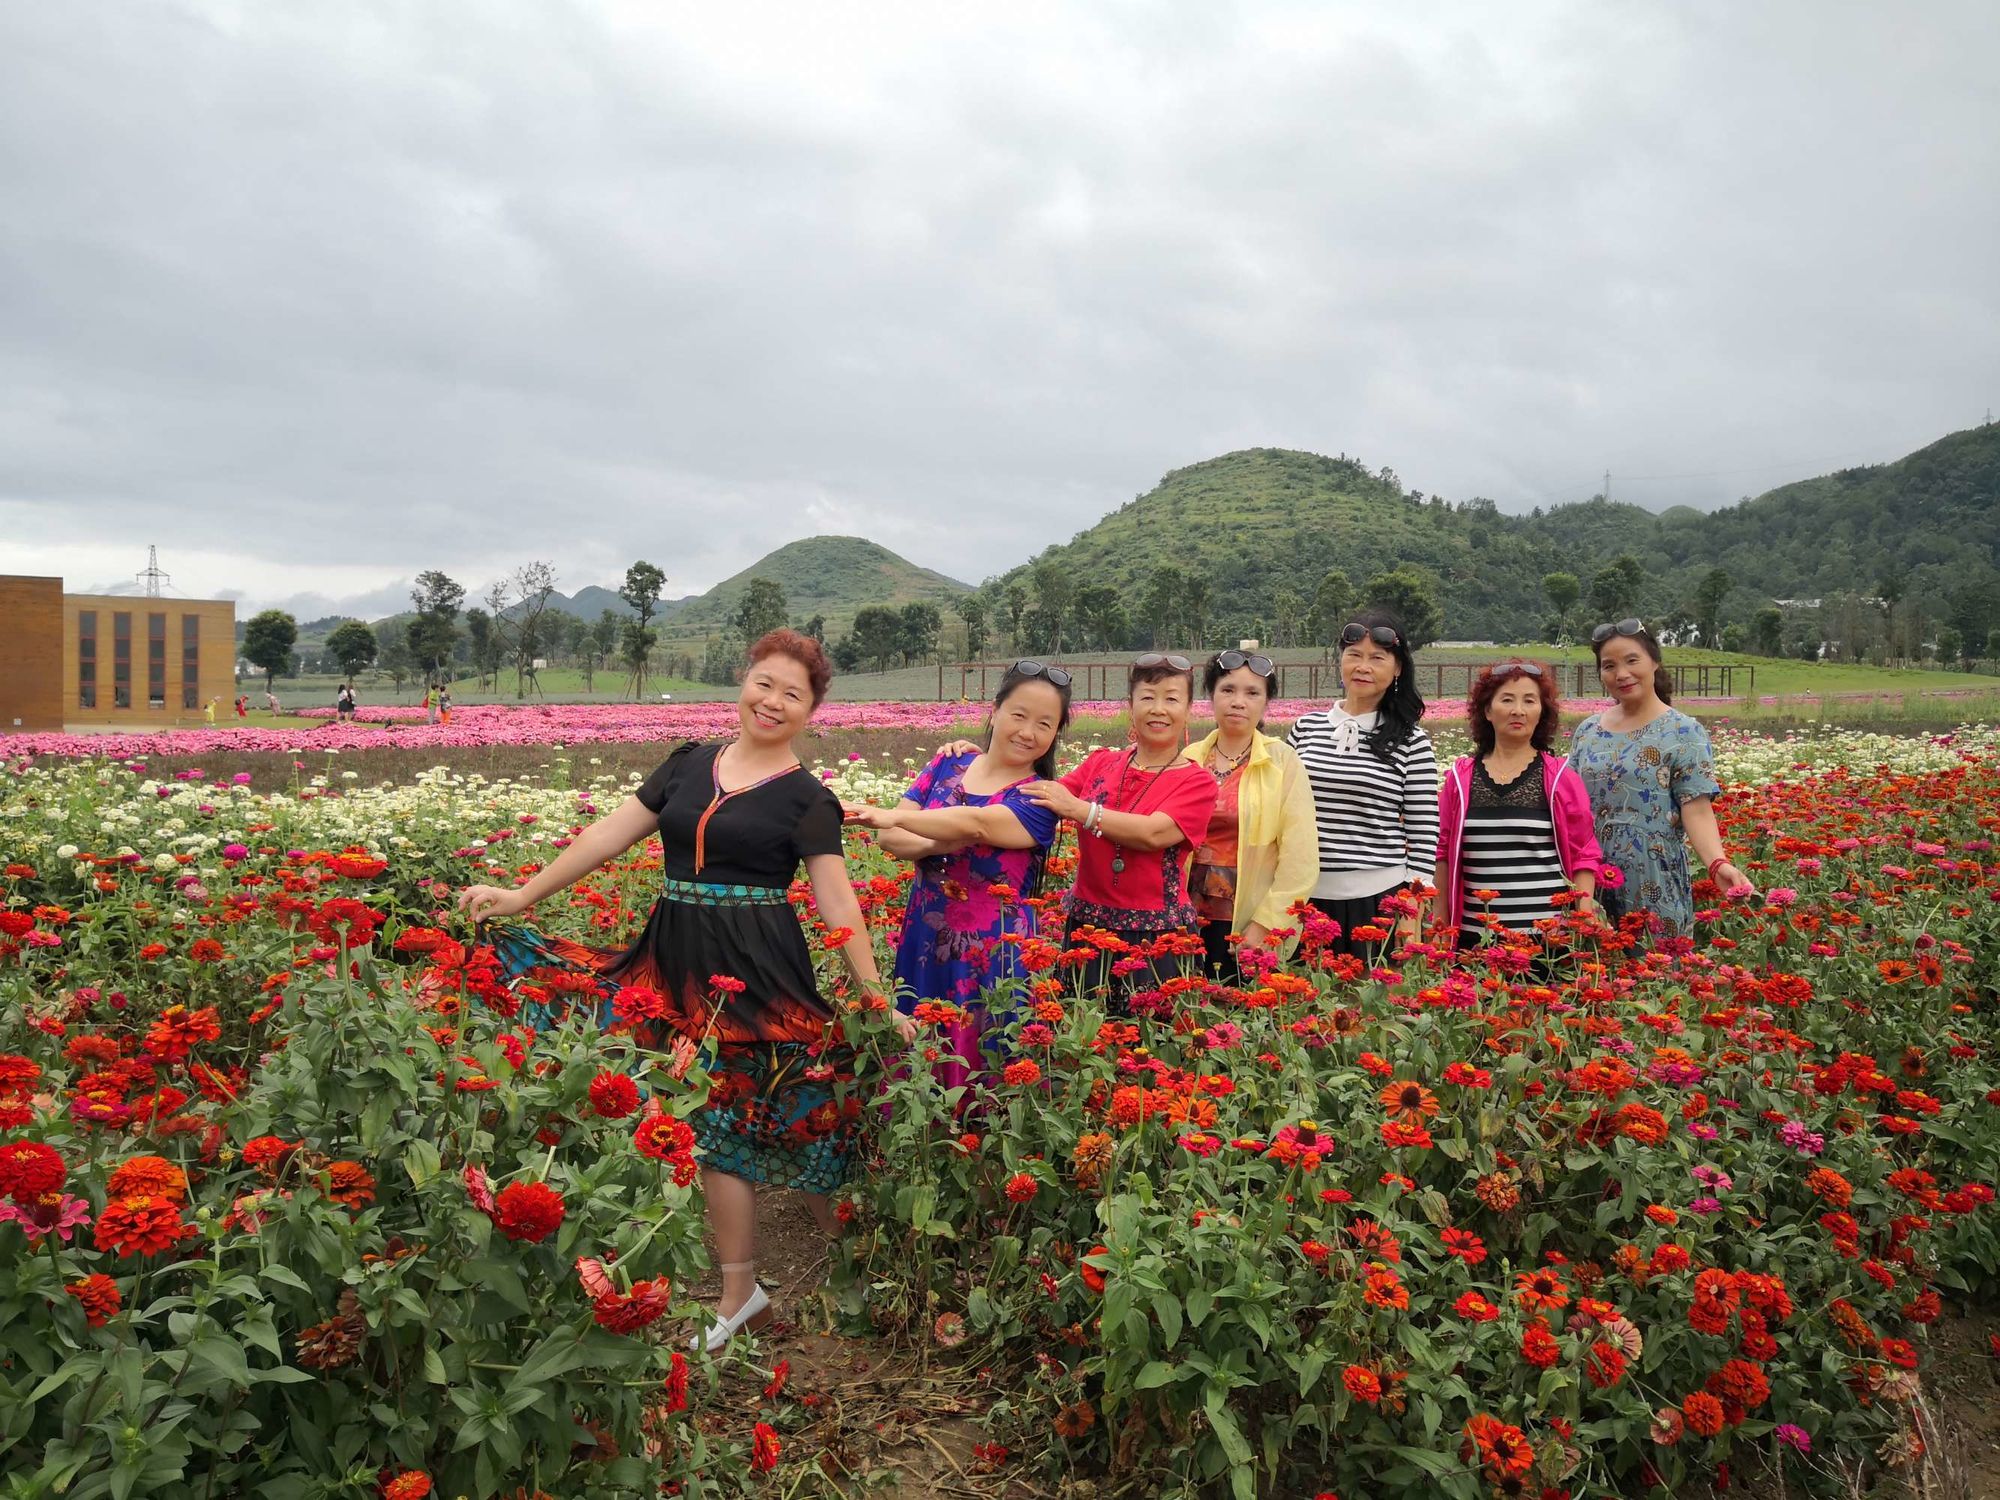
(833, 576)
(1259, 530)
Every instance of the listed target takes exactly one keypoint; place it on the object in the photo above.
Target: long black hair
(1402, 706)
(1045, 765)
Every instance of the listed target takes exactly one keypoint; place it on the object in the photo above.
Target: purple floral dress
(951, 947)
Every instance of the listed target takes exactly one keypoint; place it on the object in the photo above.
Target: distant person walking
(242, 705)
(430, 705)
(271, 702)
(1651, 778)
(208, 712)
(343, 702)
(444, 705)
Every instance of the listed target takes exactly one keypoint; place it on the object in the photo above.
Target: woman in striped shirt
(1374, 785)
(1515, 826)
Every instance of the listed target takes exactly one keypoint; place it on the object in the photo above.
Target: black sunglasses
(1263, 666)
(1508, 669)
(1155, 658)
(1630, 625)
(1355, 633)
(1056, 675)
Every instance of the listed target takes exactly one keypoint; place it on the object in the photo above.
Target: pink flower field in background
(477, 725)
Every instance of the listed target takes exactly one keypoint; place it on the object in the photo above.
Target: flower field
(294, 1202)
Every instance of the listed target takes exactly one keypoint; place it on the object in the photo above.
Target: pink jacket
(1569, 811)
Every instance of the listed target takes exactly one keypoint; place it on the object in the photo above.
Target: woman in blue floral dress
(979, 847)
(1651, 778)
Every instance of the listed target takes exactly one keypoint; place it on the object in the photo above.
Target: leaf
(434, 1368)
(559, 1353)
(422, 1160)
(979, 1308)
(285, 1276)
(1434, 1464)
(1199, 1300)
(1222, 1421)
(1167, 1308)
(1155, 1374)
(225, 1357)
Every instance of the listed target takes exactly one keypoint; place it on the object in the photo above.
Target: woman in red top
(1138, 812)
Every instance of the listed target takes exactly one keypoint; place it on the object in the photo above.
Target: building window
(156, 661)
(190, 661)
(86, 658)
(121, 659)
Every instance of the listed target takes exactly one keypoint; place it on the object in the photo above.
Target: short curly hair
(802, 649)
(1497, 676)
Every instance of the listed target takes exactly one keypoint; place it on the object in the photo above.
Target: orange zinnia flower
(1541, 1289)
(1409, 1101)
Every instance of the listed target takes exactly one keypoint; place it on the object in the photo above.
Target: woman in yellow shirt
(1261, 852)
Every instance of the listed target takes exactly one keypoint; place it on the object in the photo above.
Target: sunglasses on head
(1510, 668)
(1355, 633)
(1156, 658)
(1056, 676)
(1631, 625)
(1263, 666)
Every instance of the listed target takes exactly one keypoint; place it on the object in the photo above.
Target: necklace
(1159, 775)
(1221, 766)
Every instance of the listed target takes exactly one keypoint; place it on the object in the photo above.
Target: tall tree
(353, 646)
(1708, 600)
(878, 634)
(760, 610)
(816, 628)
(1016, 598)
(1195, 607)
(1166, 602)
(599, 639)
(1411, 596)
(1767, 631)
(1100, 615)
(921, 623)
(527, 631)
(433, 635)
(1614, 588)
(1333, 602)
(267, 642)
(1055, 592)
(636, 644)
(641, 591)
(972, 609)
(1562, 590)
(1287, 615)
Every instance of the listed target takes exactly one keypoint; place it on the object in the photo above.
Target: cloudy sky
(318, 295)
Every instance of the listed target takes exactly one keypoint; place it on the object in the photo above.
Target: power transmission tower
(153, 578)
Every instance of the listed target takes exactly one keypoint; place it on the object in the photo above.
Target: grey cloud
(462, 285)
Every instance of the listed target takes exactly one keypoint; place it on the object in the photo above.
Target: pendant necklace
(1131, 764)
(1222, 767)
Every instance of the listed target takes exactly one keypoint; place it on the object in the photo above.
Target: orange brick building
(31, 654)
(110, 659)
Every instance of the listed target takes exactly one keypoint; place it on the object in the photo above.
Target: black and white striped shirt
(1378, 819)
(1509, 848)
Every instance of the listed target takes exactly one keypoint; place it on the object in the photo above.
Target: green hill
(1266, 519)
(821, 575)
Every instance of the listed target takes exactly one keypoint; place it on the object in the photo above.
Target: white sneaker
(754, 1314)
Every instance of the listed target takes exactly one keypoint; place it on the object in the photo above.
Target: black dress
(724, 912)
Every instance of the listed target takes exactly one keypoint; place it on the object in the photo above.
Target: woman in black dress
(735, 821)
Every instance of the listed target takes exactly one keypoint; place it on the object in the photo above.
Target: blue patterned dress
(1637, 783)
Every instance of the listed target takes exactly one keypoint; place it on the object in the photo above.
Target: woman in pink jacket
(1514, 825)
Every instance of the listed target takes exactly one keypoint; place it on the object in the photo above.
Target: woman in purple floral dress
(979, 846)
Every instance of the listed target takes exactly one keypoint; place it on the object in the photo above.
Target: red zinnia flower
(1477, 1308)
(764, 1448)
(1466, 1245)
(676, 1383)
(1539, 1347)
(1702, 1413)
(142, 1225)
(411, 1484)
(623, 1312)
(29, 1169)
(1021, 1187)
(528, 1211)
(1362, 1383)
(1540, 1289)
(614, 1095)
(99, 1295)
(1022, 1071)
